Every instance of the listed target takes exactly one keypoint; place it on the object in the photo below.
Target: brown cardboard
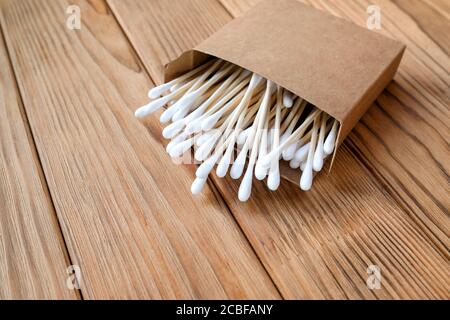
(336, 65)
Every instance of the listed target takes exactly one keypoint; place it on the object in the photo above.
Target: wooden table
(84, 184)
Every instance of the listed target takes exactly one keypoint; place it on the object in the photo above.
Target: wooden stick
(307, 175)
(273, 182)
(318, 155)
(246, 185)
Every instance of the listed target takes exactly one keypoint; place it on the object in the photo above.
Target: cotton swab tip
(288, 99)
(318, 158)
(238, 166)
(306, 178)
(198, 185)
(273, 182)
(156, 92)
(260, 172)
(245, 189)
(206, 167)
(328, 146)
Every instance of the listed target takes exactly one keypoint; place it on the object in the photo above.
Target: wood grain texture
(432, 17)
(33, 258)
(319, 244)
(126, 211)
(193, 26)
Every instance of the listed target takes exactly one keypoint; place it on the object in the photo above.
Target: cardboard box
(333, 64)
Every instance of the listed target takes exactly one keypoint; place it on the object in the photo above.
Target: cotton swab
(307, 175)
(273, 181)
(245, 188)
(318, 155)
(330, 141)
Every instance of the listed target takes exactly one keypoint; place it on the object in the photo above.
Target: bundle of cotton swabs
(220, 109)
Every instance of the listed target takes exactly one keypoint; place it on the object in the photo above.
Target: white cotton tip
(260, 171)
(197, 113)
(210, 121)
(238, 166)
(194, 126)
(302, 153)
(205, 149)
(181, 137)
(180, 148)
(168, 113)
(328, 146)
(198, 185)
(203, 138)
(273, 182)
(245, 189)
(242, 137)
(150, 108)
(179, 115)
(306, 178)
(288, 99)
(318, 158)
(224, 163)
(302, 166)
(294, 164)
(206, 167)
(268, 158)
(156, 92)
(254, 81)
(289, 152)
(172, 129)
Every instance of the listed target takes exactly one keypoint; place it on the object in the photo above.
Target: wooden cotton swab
(245, 188)
(307, 175)
(273, 182)
(156, 92)
(330, 141)
(318, 155)
(224, 163)
(261, 172)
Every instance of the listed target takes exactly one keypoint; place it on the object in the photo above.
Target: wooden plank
(127, 215)
(432, 17)
(319, 244)
(33, 257)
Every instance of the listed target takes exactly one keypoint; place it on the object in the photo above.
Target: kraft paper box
(333, 64)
